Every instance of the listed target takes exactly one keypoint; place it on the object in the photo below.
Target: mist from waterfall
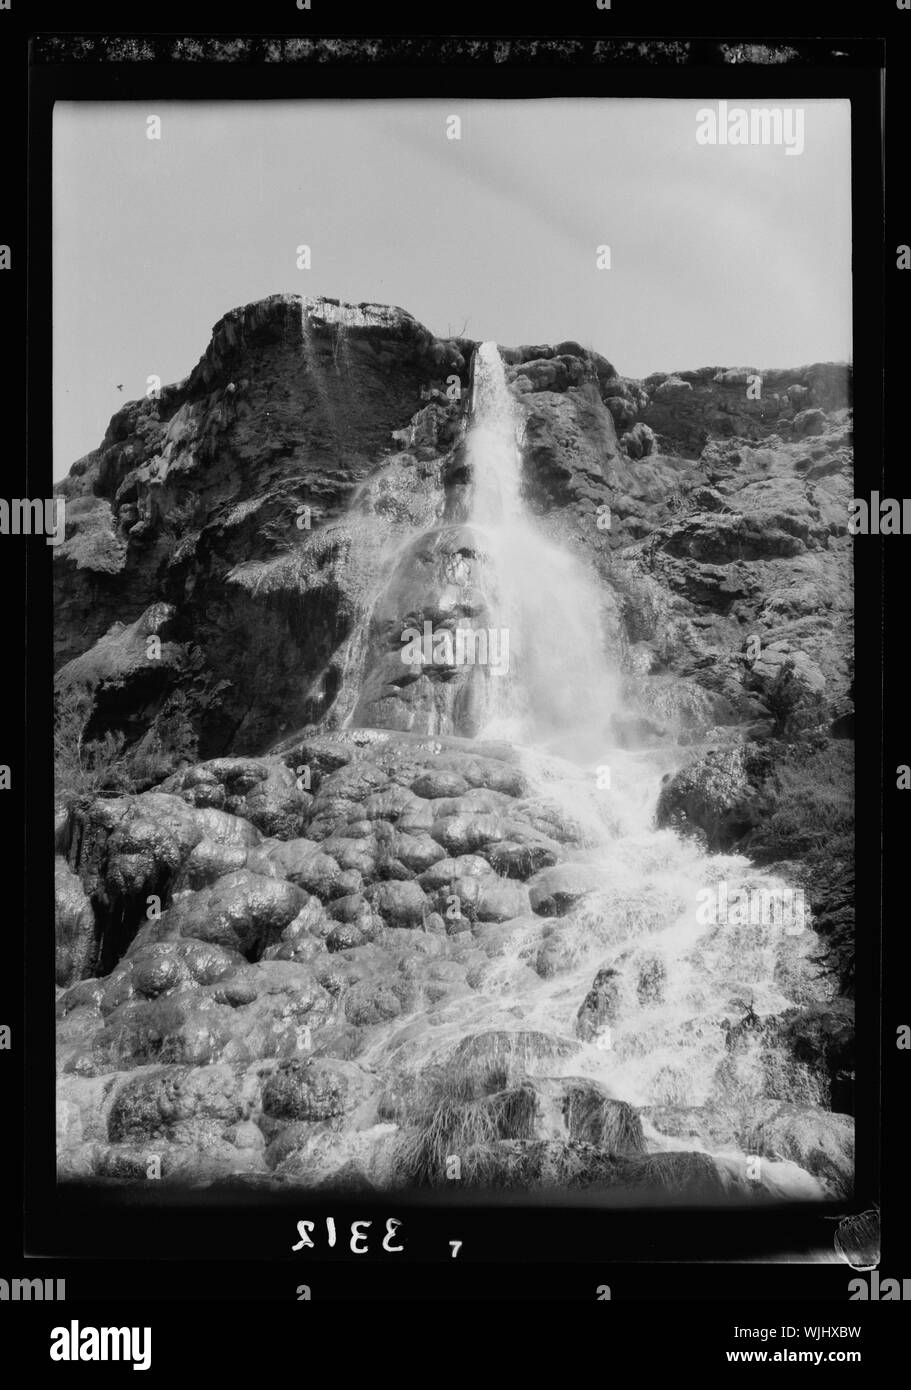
(678, 974)
(559, 694)
(469, 553)
(436, 919)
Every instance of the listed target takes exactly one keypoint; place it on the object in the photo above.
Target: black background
(680, 1274)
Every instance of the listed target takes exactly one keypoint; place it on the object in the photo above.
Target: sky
(720, 255)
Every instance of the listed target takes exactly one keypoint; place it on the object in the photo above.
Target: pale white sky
(720, 255)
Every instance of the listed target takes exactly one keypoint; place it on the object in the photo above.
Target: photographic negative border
(73, 1223)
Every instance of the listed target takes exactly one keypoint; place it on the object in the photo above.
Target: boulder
(553, 892)
(602, 1004)
(399, 903)
(819, 1141)
(321, 1089)
(715, 798)
(242, 911)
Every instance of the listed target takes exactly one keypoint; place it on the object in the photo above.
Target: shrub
(807, 803)
(84, 768)
(808, 814)
(93, 542)
(795, 709)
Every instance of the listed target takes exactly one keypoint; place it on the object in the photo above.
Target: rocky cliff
(314, 923)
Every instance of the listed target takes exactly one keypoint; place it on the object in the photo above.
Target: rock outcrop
(306, 919)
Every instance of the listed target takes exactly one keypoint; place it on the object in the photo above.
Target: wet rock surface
(326, 934)
(283, 1011)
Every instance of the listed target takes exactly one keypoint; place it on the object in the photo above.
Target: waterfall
(558, 693)
(681, 967)
(688, 965)
(434, 933)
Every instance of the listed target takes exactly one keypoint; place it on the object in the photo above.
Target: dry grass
(456, 1114)
(674, 1174)
(612, 1126)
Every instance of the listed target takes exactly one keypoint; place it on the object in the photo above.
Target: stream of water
(684, 969)
(685, 965)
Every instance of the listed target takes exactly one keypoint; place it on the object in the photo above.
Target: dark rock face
(310, 927)
(713, 799)
(823, 1037)
(291, 407)
(600, 1004)
(691, 407)
(190, 523)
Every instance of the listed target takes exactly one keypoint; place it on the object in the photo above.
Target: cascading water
(558, 693)
(680, 969)
(461, 936)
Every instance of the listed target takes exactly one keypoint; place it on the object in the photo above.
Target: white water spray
(678, 976)
(560, 694)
